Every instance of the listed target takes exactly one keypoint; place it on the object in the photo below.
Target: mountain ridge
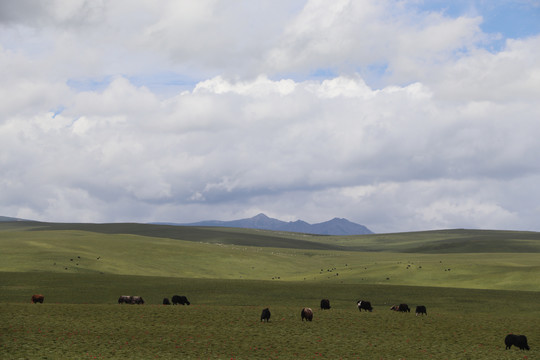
(336, 226)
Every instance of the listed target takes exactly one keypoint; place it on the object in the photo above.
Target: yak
(519, 341)
(124, 299)
(364, 305)
(325, 304)
(307, 314)
(38, 298)
(421, 309)
(401, 308)
(265, 315)
(137, 300)
(180, 299)
(166, 301)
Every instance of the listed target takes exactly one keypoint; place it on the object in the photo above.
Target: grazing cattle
(38, 298)
(307, 314)
(325, 304)
(519, 341)
(265, 315)
(364, 305)
(180, 299)
(401, 308)
(166, 301)
(421, 309)
(124, 299)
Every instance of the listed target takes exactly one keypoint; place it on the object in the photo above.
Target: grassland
(512, 262)
(477, 285)
(223, 320)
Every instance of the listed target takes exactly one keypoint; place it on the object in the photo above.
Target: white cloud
(260, 87)
(349, 35)
(513, 74)
(416, 126)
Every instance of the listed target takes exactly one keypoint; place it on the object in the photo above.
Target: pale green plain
(390, 262)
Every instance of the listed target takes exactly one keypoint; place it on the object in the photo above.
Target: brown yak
(38, 298)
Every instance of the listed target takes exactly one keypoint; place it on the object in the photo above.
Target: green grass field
(475, 293)
(80, 319)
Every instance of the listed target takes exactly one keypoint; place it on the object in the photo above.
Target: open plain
(478, 286)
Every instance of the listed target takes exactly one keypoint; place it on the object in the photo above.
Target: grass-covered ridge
(453, 258)
(437, 241)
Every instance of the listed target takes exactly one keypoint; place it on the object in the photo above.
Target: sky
(399, 115)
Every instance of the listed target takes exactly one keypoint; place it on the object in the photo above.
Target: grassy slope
(52, 250)
(443, 241)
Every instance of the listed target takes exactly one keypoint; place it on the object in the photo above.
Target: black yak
(421, 309)
(519, 341)
(38, 298)
(364, 305)
(325, 304)
(307, 314)
(401, 308)
(166, 301)
(180, 299)
(265, 315)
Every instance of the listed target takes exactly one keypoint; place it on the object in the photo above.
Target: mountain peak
(336, 226)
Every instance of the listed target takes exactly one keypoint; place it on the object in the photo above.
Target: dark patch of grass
(211, 235)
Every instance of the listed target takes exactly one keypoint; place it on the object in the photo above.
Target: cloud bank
(382, 112)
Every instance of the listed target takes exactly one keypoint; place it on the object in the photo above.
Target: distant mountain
(335, 226)
(7, 218)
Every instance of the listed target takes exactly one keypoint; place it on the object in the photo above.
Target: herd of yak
(176, 299)
(519, 341)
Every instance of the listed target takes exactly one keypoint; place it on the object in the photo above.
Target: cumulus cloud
(415, 126)
(352, 35)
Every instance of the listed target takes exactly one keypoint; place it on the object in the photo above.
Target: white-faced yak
(364, 305)
(519, 341)
(307, 314)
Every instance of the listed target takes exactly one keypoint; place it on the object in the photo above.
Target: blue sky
(510, 18)
(392, 114)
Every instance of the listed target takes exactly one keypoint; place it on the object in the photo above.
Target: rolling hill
(424, 242)
(446, 258)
